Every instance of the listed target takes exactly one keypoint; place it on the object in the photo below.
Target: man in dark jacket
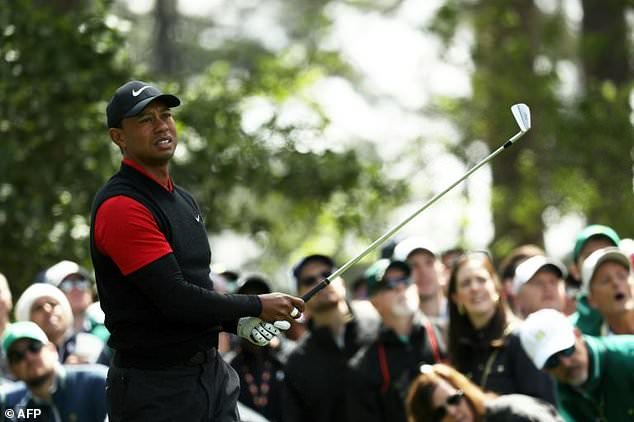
(151, 256)
(52, 392)
(316, 371)
(381, 373)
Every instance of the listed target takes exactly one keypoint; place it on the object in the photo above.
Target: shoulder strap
(433, 341)
(385, 370)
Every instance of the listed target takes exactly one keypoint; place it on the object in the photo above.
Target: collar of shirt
(127, 161)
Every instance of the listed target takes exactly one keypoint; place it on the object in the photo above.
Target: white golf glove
(260, 332)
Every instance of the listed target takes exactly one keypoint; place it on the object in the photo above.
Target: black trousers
(199, 393)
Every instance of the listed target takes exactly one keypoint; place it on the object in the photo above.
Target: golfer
(151, 256)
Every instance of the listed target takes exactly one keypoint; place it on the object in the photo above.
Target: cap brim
(169, 99)
(558, 343)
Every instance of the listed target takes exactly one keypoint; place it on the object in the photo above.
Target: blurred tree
(517, 53)
(599, 145)
(57, 70)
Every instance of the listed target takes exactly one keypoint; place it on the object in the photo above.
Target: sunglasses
(439, 413)
(393, 283)
(16, 356)
(68, 285)
(313, 279)
(555, 360)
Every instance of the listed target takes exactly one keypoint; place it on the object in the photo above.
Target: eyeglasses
(16, 356)
(68, 285)
(439, 413)
(393, 283)
(313, 279)
(555, 360)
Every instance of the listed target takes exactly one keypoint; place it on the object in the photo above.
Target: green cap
(374, 275)
(594, 230)
(19, 330)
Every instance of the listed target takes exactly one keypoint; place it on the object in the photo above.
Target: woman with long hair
(442, 394)
(482, 344)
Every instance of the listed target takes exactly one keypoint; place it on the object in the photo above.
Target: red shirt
(127, 232)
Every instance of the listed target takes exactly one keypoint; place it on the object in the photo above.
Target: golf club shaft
(322, 284)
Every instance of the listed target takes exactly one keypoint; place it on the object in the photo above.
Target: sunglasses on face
(555, 360)
(310, 280)
(393, 283)
(68, 285)
(439, 413)
(16, 356)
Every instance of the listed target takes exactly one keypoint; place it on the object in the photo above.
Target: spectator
(6, 304)
(482, 344)
(382, 372)
(442, 394)
(507, 267)
(590, 239)
(539, 283)
(607, 281)
(79, 288)
(61, 393)
(316, 371)
(260, 369)
(48, 307)
(427, 274)
(595, 375)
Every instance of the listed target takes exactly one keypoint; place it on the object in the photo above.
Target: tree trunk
(165, 48)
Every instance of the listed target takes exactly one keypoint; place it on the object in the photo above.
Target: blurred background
(315, 125)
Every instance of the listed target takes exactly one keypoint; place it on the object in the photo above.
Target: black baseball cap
(297, 268)
(131, 98)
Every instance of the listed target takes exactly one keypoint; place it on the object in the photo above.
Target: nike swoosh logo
(197, 217)
(136, 93)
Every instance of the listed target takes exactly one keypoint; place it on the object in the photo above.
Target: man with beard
(595, 375)
(54, 392)
(316, 371)
(607, 280)
(381, 373)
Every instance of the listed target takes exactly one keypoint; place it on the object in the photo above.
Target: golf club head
(522, 115)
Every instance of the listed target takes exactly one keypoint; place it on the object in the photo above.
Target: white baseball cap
(405, 247)
(598, 257)
(527, 270)
(545, 333)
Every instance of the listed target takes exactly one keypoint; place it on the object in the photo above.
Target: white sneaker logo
(136, 93)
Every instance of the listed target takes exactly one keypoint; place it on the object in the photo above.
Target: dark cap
(255, 284)
(375, 274)
(297, 268)
(131, 98)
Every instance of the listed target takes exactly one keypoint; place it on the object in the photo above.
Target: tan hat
(598, 257)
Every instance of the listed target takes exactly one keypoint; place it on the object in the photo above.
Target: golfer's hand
(280, 307)
(260, 332)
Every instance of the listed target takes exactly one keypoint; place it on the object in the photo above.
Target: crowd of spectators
(421, 335)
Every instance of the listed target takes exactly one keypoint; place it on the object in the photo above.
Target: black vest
(137, 326)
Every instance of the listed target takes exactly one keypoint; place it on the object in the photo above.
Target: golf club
(522, 115)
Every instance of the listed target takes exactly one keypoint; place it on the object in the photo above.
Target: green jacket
(586, 318)
(608, 394)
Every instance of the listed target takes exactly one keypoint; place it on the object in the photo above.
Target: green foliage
(57, 70)
(577, 157)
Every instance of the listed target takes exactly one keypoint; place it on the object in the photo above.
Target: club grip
(312, 292)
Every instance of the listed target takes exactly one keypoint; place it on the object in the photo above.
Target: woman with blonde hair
(442, 394)
(482, 344)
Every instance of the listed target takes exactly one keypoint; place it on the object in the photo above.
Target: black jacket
(378, 386)
(503, 367)
(317, 373)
